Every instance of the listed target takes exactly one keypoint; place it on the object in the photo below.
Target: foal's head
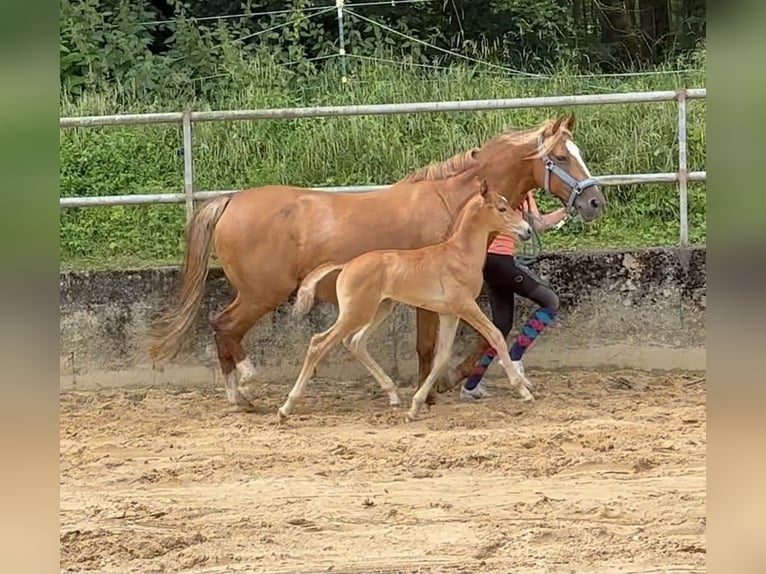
(563, 172)
(499, 216)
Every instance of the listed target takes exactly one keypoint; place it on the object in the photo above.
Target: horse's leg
(427, 325)
(357, 344)
(461, 371)
(447, 329)
(226, 324)
(472, 314)
(230, 326)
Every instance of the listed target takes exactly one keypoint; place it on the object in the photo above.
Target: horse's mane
(463, 161)
(518, 137)
(451, 167)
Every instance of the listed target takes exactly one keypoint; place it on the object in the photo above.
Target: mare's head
(559, 168)
(499, 216)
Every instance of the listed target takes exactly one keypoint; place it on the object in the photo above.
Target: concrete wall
(636, 309)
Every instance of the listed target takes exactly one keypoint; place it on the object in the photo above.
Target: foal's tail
(168, 332)
(304, 300)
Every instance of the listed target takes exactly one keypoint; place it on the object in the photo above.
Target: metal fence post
(341, 39)
(683, 172)
(188, 165)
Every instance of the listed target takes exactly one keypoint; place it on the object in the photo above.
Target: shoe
(475, 394)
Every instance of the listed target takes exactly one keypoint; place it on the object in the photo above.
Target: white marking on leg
(230, 383)
(245, 387)
(246, 370)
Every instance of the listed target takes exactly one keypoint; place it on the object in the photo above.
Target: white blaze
(575, 151)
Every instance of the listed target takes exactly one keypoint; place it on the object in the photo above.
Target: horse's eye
(502, 209)
(561, 158)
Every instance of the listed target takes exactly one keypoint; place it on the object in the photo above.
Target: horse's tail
(304, 300)
(168, 332)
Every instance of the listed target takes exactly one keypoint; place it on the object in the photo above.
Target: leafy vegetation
(113, 62)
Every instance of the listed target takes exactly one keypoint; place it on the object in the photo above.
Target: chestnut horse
(269, 238)
(444, 278)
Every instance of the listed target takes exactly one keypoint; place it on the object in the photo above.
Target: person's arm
(545, 222)
(552, 219)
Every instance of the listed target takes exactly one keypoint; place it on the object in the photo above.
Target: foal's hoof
(410, 418)
(281, 415)
(527, 383)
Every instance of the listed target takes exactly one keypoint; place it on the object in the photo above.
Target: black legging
(505, 279)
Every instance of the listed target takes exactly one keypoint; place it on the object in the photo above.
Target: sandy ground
(603, 472)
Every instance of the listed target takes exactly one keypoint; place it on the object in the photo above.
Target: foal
(444, 278)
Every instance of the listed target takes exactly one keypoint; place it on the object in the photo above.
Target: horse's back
(289, 231)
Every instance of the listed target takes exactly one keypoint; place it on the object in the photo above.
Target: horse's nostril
(595, 203)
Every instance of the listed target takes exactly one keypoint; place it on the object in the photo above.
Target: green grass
(631, 138)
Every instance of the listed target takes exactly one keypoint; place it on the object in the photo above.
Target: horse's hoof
(441, 386)
(444, 385)
(243, 405)
(410, 418)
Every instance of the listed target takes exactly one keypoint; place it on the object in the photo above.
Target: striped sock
(536, 324)
(478, 371)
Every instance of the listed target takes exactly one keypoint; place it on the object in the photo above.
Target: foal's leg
(427, 331)
(320, 344)
(447, 329)
(472, 314)
(357, 344)
(354, 315)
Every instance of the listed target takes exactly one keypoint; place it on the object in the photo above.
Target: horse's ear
(554, 127)
(571, 122)
(483, 188)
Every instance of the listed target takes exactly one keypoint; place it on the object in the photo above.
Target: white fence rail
(187, 120)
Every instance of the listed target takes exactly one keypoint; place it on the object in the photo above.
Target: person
(505, 279)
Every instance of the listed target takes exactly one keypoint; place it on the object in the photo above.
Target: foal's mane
(466, 211)
(508, 141)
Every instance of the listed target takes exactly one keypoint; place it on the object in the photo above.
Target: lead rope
(526, 258)
(531, 250)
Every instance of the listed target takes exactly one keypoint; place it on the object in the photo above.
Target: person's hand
(562, 216)
(553, 220)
